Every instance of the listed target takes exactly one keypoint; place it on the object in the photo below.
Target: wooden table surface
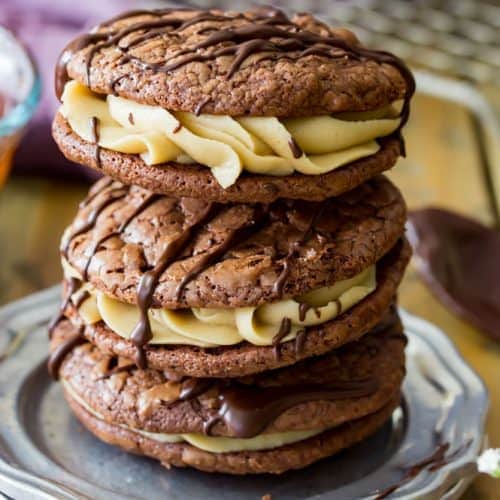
(442, 169)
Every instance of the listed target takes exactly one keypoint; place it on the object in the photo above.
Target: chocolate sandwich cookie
(272, 461)
(246, 357)
(181, 272)
(197, 181)
(231, 107)
(251, 414)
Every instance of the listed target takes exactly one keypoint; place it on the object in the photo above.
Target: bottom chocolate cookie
(272, 408)
(275, 461)
(266, 423)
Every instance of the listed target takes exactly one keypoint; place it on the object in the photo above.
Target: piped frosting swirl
(269, 324)
(227, 145)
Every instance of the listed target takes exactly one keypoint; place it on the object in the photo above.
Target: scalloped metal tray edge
(442, 395)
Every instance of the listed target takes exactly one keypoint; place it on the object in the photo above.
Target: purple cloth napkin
(46, 26)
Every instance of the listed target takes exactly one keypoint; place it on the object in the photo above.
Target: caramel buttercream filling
(227, 145)
(209, 443)
(265, 325)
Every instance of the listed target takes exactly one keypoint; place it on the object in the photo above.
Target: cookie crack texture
(292, 67)
(332, 240)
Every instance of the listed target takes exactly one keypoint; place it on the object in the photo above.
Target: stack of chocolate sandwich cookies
(229, 285)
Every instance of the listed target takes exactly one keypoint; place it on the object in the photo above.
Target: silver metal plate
(46, 453)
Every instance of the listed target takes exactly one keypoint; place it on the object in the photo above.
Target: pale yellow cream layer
(208, 443)
(210, 327)
(227, 145)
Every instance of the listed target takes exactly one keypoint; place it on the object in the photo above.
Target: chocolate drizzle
(96, 190)
(285, 328)
(339, 306)
(295, 245)
(248, 410)
(109, 197)
(117, 369)
(432, 463)
(57, 356)
(201, 105)
(94, 123)
(295, 148)
(141, 334)
(82, 297)
(267, 31)
(236, 235)
(61, 71)
(193, 387)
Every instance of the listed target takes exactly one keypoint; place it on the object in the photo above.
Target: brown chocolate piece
(72, 285)
(58, 355)
(459, 259)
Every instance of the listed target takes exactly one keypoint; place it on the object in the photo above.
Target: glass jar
(19, 95)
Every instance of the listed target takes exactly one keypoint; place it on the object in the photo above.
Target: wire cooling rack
(457, 37)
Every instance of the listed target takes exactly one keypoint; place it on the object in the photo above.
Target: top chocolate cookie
(256, 63)
(230, 107)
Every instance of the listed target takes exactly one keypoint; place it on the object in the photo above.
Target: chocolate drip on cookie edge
(95, 124)
(96, 190)
(295, 148)
(117, 369)
(295, 245)
(82, 297)
(304, 307)
(57, 356)
(285, 328)
(73, 285)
